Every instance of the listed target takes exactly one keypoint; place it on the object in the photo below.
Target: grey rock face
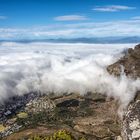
(131, 123)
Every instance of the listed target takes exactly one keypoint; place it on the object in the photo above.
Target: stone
(130, 63)
(131, 122)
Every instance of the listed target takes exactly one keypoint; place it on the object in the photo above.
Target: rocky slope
(83, 116)
(131, 65)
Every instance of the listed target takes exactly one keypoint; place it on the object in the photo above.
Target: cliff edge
(131, 65)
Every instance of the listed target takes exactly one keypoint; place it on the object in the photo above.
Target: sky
(41, 19)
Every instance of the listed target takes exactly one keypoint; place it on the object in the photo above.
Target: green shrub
(59, 135)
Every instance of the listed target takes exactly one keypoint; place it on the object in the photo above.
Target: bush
(59, 135)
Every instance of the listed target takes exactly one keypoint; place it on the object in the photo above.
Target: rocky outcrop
(40, 104)
(130, 63)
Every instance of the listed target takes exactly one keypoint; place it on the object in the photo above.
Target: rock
(95, 97)
(40, 104)
(130, 63)
(100, 124)
(99, 127)
(118, 138)
(96, 131)
(131, 122)
(68, 103)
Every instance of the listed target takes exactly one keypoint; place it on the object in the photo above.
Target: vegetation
(59, 135)
(2, 128)
(22, 115)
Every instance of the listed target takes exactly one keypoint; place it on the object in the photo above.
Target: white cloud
(70, 18)
(53, 32)
(136, 18)
(112, 8)
(129, 27)
(3, 17)
(44, 67)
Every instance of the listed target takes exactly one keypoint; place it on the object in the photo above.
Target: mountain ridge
(96, 40)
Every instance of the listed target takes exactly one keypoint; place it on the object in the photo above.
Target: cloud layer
(130, 27)
(63, 68)
(70, 18)
(112, 8)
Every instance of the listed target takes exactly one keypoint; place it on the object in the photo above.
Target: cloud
(130, 27)
(3, 17)
(136, 18)
(112, 8)
(63, 68)
(70, 18)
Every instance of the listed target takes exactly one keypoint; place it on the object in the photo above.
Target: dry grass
(22, 115)
(2, 128)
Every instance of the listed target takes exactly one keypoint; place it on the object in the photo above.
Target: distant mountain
(104, 40)
(98, 40)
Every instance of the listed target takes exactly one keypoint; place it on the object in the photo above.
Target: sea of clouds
(63, 68)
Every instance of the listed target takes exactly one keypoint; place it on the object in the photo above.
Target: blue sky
(20, 19)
